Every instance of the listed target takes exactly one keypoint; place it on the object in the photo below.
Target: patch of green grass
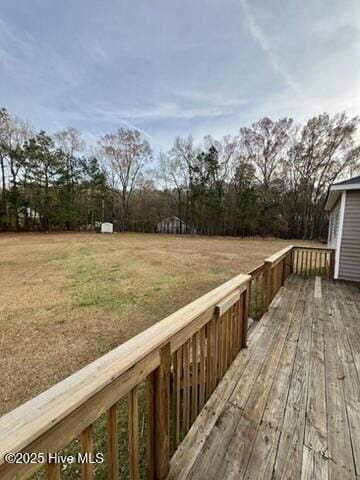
(91, 287)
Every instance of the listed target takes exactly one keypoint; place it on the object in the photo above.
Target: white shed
(107, 227)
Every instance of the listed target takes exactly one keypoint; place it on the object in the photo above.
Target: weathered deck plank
(289, 406)
(315, 441)
(263, 454)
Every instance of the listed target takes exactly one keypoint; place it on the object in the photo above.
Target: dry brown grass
(66, 299)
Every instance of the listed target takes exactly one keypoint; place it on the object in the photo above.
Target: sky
(176, 67)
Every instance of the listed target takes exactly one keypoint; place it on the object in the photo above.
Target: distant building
(343, 205)
(107, 227)
(174, 225)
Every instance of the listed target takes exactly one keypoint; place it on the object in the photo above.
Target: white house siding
(349, 266)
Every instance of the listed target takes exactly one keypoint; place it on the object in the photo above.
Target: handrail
(307, 247)
(277, 257)
(257, 269)
(32, 420)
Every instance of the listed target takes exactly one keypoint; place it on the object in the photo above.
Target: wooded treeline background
(269, 179)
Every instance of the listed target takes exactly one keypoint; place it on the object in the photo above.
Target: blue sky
(177, 67)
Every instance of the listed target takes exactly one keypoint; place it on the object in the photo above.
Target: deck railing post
(161, 414)
(249, 299)
(267, 285)
(332, 265)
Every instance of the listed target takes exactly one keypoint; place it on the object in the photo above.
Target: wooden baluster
(224, 340)
(297, 261)
(112, 443)
(87, 469)
(266, 286)
(250, 289)
(194, 370)
(216, 351)
(232, 332)
(283, 272)
(220, 366)
(272, 282)
(230, 338)
(321, 266)
(293, 264)
(202, 367)
(177, 393)
(213, 322)
(302, 261)
(208, 362)
(227, 340)
(52, 471)
(256, 303)
(244, 323)
(234, 329)
(133, 425)
(239, 322)
(150, 404)
(186, 386)
(331, 265)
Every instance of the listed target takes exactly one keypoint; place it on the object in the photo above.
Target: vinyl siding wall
(349, 267)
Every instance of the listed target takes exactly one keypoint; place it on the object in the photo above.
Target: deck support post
(160, 422)
(267, 285)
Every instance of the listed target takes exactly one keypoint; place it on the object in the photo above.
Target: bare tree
(126, 153)
(175, 168)
(324, 150)
(264, 143)
(5, 122)
(70, 141)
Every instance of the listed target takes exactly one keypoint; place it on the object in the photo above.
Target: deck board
(289, 406)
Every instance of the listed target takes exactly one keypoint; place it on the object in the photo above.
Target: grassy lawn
(66, 299)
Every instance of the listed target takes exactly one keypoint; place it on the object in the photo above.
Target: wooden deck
(289, 406)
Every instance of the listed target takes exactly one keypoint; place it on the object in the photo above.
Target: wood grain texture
(112, 444)
(162, 399)
(133, 428)
(289, 406)
(87, 469)
(52, 471)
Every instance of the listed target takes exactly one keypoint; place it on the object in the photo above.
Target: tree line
(271, 178)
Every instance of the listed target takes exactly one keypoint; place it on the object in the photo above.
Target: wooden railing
(164, 375)
(267, 278)
(138, 402)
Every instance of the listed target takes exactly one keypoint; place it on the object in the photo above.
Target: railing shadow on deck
(168, 372)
